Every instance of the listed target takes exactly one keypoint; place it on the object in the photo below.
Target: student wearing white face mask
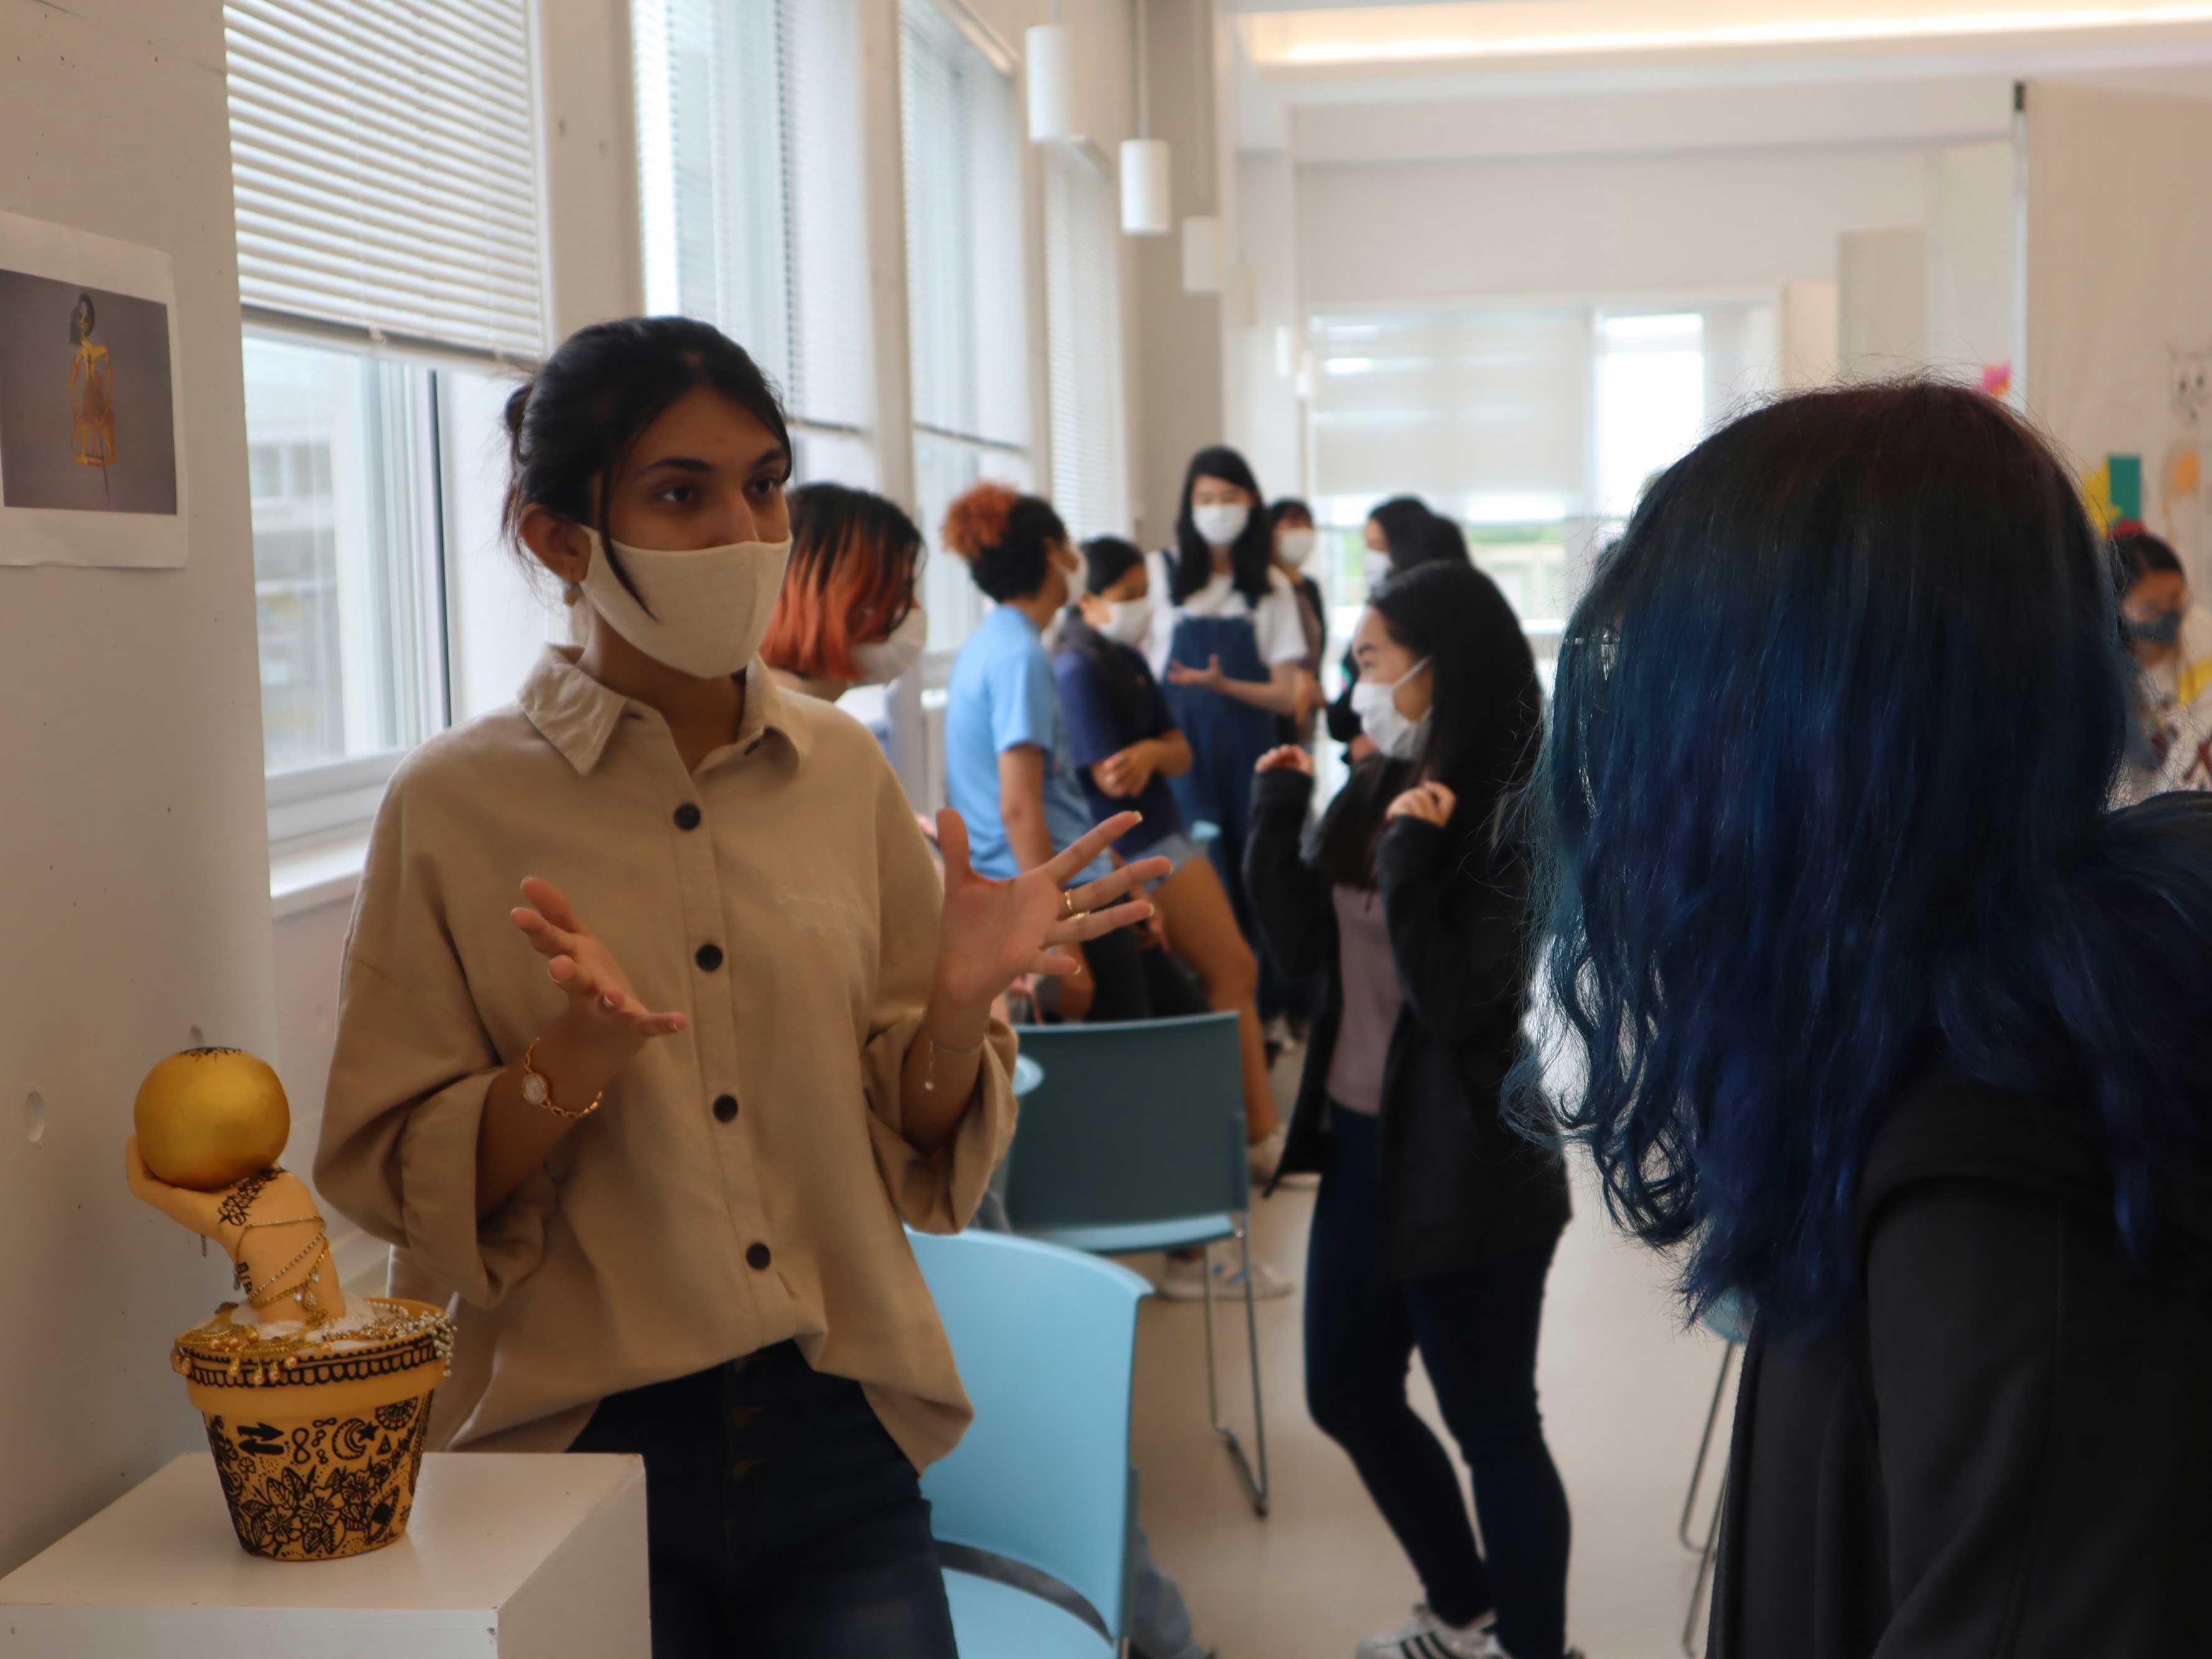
(1291, 521)
(1230, 646)
(663, 1161)
(1436, 1220)
(1125, 748)
(847, 614)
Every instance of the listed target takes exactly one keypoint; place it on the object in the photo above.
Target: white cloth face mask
(1295, 547)
(704, 614)
(1377, 567)
(1132, 623)
(881, 661)
(1220, 523)
(1390, 732)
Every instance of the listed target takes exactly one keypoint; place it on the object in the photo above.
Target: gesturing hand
(1432, 803)
(1288, 759)
(994, 931)
(606, 1010)
(1124, 775)
(1209, 678)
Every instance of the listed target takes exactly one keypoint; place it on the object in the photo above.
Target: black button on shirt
(688, 815)
(726, 1107)
(757, 1258)
(708, 959)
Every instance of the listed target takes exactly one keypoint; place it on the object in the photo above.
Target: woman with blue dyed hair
(1889, 1023)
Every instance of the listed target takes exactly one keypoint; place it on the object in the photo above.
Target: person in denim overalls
(1231, 650)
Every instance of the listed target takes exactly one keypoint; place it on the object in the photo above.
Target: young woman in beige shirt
(660, 1165)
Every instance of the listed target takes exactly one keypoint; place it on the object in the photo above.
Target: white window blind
(749, 129)
(967, 309)
(1083, 305)
(963, 224)
(384, 159)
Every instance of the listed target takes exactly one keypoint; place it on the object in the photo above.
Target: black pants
(782, 1520)
(1133, 982)
(1476, 1329)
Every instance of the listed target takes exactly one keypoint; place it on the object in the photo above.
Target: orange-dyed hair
(854, 559)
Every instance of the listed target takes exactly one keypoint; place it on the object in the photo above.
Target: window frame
(1018, 461)
(310, 808)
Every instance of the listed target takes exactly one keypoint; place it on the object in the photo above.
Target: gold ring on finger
(1067, 899)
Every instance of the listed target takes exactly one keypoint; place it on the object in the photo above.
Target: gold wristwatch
(539, 1092)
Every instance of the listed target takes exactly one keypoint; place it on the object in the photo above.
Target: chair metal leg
(1255, 1480)
(1704, 1450)
(1690, 1648)
(1706, 1550)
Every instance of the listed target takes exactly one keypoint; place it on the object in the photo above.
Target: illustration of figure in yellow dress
(92, 391)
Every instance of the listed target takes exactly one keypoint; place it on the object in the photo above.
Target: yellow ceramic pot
(318, 1443)
(208, 1118)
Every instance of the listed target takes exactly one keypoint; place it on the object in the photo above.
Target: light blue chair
(1046, 1339)
(1134, 1142)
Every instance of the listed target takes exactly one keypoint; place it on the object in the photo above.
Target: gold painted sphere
(208, 1118)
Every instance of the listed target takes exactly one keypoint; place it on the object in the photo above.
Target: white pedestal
(506, 1557)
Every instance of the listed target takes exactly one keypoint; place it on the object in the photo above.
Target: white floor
(1625, 1392)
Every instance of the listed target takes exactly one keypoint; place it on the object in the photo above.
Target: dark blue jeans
(1476, 1329)
(782, 1522)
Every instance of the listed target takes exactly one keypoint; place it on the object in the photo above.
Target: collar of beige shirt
(577, 715)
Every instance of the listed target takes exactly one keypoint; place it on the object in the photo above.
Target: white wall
(1882, 282)
(1971, 279)
(1267, 326)
(137, 899)
(1621, 224)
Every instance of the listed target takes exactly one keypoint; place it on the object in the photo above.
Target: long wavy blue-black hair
(1835, 732)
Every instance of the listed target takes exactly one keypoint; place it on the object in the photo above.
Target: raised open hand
(600, 998)
(995, 930)
(1210, 677)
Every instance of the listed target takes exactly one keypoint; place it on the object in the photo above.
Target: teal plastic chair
(1134, 1142)
(1046, 1339)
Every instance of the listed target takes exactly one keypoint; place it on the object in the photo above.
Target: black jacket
(2005, 1450)
(1460, 1185)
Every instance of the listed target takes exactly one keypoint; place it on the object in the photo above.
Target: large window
(1535, 428)
(1083, 311)
(749, 144)
(388, 245)
(387, 606)
(965, 287)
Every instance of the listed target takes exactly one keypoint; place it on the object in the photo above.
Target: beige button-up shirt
(745, 1182)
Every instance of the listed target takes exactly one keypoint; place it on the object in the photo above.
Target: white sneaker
(1427, 1636)
(1185, 1279)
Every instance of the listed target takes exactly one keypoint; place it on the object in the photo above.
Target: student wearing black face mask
(2169, 637)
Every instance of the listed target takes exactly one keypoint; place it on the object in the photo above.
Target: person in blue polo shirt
(1009, 769)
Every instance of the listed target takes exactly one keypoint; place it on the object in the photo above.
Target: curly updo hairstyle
(1005, 539)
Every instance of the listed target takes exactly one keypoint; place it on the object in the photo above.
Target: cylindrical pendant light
(1050, 64)
(1201, 254)
(1147, 193)
(1147, 186)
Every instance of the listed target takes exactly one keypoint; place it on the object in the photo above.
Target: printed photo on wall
(94, 466)
(85, 401)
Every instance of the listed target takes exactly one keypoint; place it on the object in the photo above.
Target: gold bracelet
(539, 1092)
(929, 1066)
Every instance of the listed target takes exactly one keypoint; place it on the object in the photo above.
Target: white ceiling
(1338, 82)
